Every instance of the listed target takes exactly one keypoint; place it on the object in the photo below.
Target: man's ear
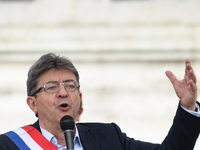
(80, 95)
(31, 101)
(81, 111)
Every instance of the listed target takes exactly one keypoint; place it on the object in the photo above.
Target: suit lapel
(88, 137)
(36, 125)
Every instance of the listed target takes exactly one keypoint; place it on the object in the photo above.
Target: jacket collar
(88, 137)
(36, 125)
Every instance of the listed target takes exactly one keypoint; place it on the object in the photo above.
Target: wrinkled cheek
(44, 108)
(76, 110)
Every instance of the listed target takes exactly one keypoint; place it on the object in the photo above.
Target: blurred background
(121, 48)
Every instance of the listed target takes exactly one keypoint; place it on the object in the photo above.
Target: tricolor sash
(29, 138)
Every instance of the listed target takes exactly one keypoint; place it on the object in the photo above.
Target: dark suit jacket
(98, 136)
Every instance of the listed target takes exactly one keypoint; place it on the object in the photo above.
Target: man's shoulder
(103, 132)
(100, 127)
(3, 137)
(6, 143)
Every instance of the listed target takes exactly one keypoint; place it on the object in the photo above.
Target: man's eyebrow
(52, 82)
(69, 80)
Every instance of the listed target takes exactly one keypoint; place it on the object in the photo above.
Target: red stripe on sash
(39, 138)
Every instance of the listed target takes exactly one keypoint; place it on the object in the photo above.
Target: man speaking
(53, 91)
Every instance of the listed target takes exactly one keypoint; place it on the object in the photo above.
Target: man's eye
(70, 86)
(51, 87)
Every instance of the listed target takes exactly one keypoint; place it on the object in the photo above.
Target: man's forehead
(57, 75)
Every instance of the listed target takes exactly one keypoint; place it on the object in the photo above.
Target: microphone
(67, 125)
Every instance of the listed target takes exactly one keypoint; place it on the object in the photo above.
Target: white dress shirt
(50, 137)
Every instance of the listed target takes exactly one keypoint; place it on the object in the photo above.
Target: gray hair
(44, 63)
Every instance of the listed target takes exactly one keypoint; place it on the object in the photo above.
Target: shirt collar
(50, 137)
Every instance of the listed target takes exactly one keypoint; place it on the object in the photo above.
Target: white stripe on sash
(27, 139)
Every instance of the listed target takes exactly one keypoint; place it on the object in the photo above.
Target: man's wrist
(195, 113)
(192, 107)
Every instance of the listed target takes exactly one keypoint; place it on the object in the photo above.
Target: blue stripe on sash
(17, 140)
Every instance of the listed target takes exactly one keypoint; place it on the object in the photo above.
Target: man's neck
(56, 131)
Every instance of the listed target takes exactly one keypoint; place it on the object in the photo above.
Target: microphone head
(67, 123)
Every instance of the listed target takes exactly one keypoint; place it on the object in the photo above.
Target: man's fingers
(171, 76)
(189, 72)
(193, 86)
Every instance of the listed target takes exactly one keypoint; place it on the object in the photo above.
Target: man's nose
(62, 92)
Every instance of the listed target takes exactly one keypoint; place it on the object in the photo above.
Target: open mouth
(64, 106)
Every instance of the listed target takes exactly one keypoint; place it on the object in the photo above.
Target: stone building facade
(121, 48)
